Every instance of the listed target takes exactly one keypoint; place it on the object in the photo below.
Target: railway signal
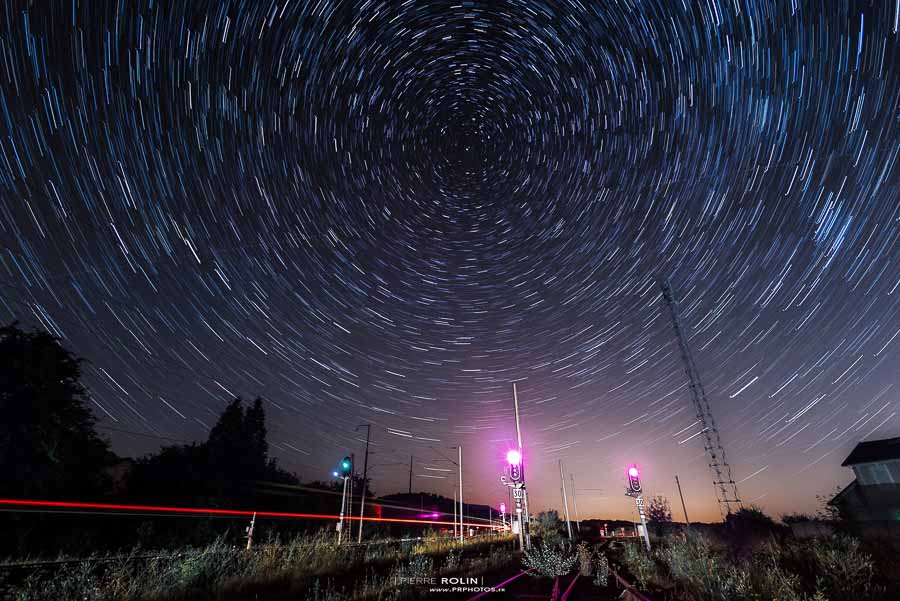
(634, 490)
(346, 468)
(634, 480)
(516, 471)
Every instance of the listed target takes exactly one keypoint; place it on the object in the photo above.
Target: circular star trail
(386, 213)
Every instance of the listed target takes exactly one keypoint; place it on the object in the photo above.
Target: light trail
(215, 511)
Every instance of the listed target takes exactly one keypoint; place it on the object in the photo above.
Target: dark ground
(531, 587)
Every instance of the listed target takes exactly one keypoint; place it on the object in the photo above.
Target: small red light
(633, 471)
(514, 457)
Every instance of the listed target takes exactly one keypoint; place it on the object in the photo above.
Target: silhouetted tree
(175, 474)
(548, 525)
(220, 471)
(752, 520)
(747, 529)
(659, 514)
(48, 444)
(255, 426)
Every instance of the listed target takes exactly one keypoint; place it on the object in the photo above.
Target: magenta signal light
(514, 458)
(634, 480)
(502, 507)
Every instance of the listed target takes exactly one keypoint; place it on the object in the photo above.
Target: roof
(836, 499)
(874, 450)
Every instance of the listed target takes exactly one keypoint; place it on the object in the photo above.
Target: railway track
(563, 588)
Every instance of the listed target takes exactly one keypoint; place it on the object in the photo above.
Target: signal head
(634, 480)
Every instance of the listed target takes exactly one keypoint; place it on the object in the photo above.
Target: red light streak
(214, 511)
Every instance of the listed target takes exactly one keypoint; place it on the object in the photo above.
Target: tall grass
(220, 570)
(832, 569)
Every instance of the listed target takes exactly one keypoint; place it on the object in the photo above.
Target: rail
(504, 583)
(628, 587)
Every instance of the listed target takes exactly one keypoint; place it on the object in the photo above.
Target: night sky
(387, 212)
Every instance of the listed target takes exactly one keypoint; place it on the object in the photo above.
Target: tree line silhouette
(50, 449)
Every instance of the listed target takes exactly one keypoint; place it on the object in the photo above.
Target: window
(870, 474)
(863, 474)
(894, 468)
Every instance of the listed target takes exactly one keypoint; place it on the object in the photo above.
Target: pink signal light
(514, 457)
(633, 471)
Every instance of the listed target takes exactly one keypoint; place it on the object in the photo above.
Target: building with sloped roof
(875, 493)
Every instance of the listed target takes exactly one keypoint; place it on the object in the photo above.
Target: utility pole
(410, 473)
(362, 501)
(562, 484)
(461, 521)
(686, 520)
(575, 502)
(454, 512)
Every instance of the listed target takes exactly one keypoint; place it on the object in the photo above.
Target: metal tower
(726, 489)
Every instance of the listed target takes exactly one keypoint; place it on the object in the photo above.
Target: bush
(584, 559)
(771, 580)
(640, 564)
(601, 570)
(77, 584)
(832, 569)
(843, 571)
(696, 564)
(451, 564)
(550, 560)
(796, 518)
